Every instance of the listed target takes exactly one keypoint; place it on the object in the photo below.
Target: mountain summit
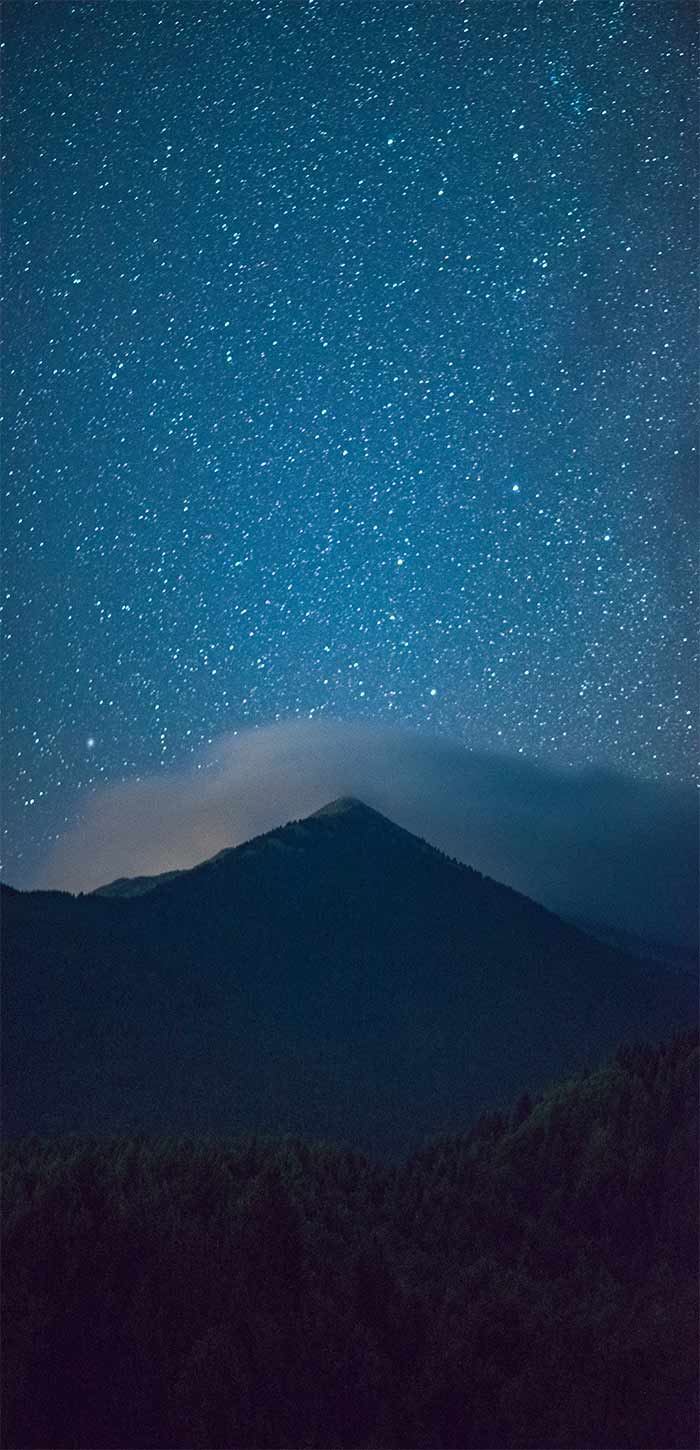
(346, 805)
(336, 978)
(347, 815)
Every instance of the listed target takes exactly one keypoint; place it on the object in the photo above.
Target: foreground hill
(337, 978)
(532, 1283)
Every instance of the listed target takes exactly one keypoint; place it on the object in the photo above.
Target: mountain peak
(337, 977)
(345, 805)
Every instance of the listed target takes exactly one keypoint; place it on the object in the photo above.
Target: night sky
(349, 373)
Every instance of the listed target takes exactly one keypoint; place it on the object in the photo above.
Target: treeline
(530, 1284)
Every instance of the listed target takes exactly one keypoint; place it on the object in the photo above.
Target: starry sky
(349, 374)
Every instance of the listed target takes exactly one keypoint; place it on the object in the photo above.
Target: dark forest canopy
(532, 1283)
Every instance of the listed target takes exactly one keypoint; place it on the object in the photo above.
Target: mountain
(671, 954)
(134, 885)
(337, 978)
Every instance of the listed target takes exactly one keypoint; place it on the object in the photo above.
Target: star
(274, 394)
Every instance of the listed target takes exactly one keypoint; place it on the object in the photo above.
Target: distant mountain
(672, 954)
(134, 885)
(337, 978)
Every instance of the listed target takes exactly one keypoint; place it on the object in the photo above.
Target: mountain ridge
(344, 809)
(336, 977)
(637, 947)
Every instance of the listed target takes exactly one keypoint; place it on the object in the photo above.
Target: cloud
(591, 843)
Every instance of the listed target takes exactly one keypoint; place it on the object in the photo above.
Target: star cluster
(349, 358)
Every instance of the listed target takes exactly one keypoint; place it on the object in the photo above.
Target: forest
(532, 1282)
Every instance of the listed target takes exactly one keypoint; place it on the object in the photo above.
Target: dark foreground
(533, 1283)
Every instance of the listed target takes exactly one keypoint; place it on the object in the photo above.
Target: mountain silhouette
(337, 978)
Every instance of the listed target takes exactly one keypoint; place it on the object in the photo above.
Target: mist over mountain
(590, 844)
(337, 977)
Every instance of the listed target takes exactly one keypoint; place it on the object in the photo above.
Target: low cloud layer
(589, 843)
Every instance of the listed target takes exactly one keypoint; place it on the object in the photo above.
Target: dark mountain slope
(134, 885)
(336, 977)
